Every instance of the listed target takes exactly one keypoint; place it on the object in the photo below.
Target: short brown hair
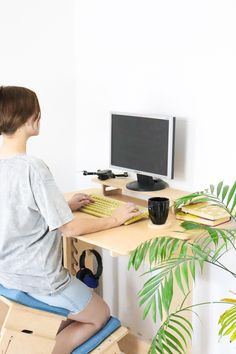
(17, 105)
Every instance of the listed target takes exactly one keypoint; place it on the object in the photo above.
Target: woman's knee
(96, 312)
(104, 316)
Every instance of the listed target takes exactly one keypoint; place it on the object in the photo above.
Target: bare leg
(64, 324)
(85, 324)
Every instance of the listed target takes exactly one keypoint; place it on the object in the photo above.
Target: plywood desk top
(123, 239)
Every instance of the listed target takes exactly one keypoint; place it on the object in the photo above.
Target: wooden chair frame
(25, 330)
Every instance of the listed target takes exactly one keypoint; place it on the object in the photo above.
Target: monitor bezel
(171, 143)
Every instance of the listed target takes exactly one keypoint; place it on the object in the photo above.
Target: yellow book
(189, 217)
(206, 211)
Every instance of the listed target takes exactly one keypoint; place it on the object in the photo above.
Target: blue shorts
(75, 297)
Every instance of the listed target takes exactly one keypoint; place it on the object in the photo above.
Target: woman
(33, 215)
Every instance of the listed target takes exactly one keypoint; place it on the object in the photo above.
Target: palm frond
(221, 195)
(227, 321)
(172, 336)
(173, 260)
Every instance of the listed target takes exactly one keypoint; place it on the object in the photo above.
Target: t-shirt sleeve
(49, 200)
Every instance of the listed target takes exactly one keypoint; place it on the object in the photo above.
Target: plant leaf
(131, 259)
(217, 253)
(146, 296)
(160, 305)
(234, 204)
(178, 279)
(179, 333)
(167, 349)
(190, 225)
(148, 289)
(185, 273)
(154, 309)
(231, 193)
(174, 339)
(228, 321)
(183, 250)
(224, 192)
(162, 248)
(214, 235)
(174, 247)
(197, 251)
(172, 345)
(147, 308)
(186, 199)
(219, 187)
(170, 288)
(164, 299)
(182, 326)
(192, 268)
(141, 253)
(152, 251)
(185, 319)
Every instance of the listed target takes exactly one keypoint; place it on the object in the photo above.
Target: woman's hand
(125, 212)
(79, 200)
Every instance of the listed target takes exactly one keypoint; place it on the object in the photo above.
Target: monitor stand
(146, 184)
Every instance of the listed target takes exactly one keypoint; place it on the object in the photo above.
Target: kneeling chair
(29, 326)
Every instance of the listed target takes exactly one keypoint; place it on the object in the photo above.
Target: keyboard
(104, 206)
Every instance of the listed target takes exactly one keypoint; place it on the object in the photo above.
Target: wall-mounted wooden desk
(123, 239)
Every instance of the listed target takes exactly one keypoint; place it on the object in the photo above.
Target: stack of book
(203, 213)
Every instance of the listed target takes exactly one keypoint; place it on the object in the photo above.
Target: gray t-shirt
(31, 210)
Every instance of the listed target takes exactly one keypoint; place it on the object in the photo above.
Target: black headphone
(85, 274)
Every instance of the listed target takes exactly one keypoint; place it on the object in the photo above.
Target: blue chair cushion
(24, 299)
(98, 338)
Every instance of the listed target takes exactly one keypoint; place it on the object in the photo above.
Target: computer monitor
(145, 145)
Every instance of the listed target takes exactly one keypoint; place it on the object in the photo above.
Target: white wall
(37, 51)
(172, 57)
(169, 57)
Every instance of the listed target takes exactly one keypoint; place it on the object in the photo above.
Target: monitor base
(146, 184)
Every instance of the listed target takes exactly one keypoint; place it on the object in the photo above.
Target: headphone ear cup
(90, 281)
(81, 273)
(87, 277)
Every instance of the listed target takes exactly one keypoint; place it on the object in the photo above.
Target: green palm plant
(173, 260)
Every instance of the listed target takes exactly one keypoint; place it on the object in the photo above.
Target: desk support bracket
(108, 190)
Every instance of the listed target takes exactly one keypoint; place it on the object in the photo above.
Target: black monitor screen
(140, 143)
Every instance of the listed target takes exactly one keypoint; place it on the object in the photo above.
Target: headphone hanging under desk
(86, 275)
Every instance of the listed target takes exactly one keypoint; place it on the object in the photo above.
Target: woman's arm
(78, 226)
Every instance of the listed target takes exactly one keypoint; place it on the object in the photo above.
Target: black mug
(158, 210)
